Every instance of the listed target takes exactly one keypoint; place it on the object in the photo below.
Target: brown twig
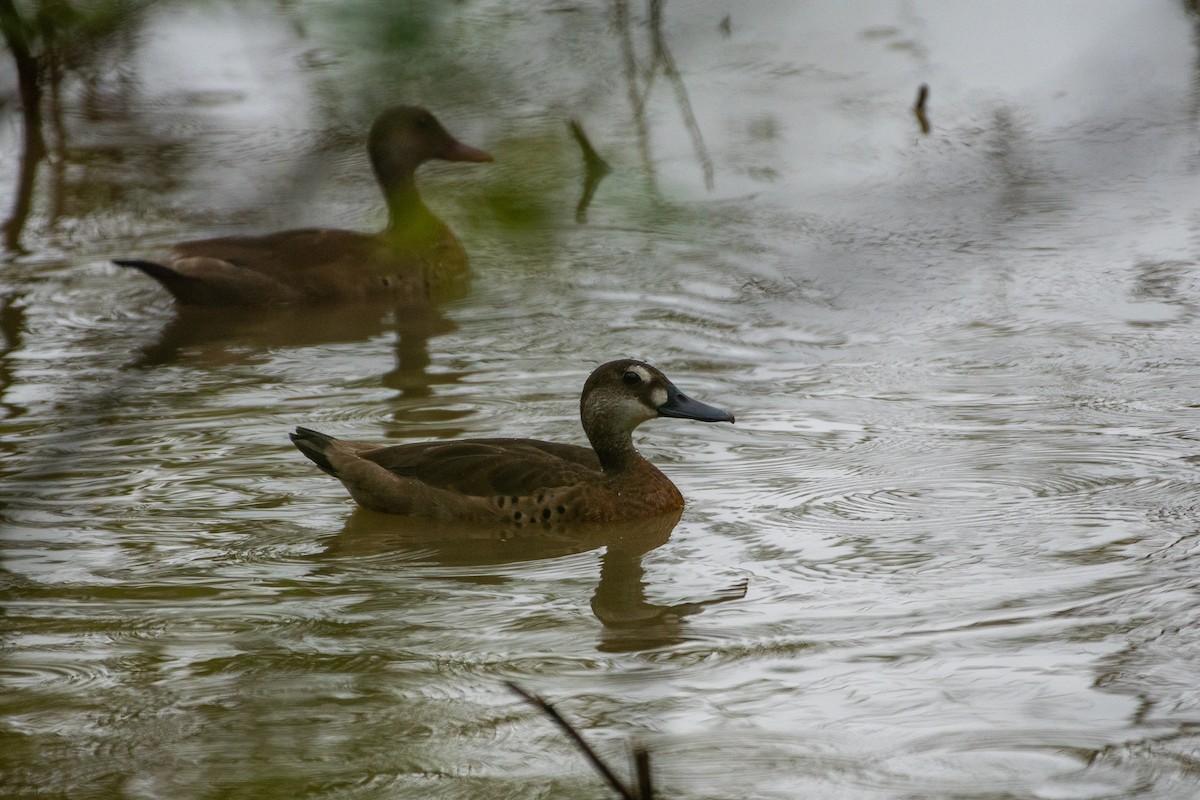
(595, 169)
(660, 59)
(621, 12)
(663, 56)
(584, 747)
(641, 768)
(919, 108)
(18, 33)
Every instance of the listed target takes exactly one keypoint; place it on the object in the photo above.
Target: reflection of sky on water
(960, 485)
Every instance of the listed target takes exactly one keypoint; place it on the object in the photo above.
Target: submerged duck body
(525, 480)
(415, 259)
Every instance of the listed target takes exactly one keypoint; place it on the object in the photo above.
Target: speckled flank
(544, 508)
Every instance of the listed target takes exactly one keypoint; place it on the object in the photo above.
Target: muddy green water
(962, 490)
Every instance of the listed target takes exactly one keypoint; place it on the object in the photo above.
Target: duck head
(404, 137)
(621, 395)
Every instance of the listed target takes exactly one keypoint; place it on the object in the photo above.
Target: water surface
(961, 491)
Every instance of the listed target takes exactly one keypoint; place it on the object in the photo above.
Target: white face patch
(642, 372)
(659, 397)
(620, 411)
(631, 412)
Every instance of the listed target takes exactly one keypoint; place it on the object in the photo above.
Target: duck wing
(487, 467)
(284, 253)
(304, 265)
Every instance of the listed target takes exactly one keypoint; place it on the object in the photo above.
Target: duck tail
(156, 271)
(178, 284)
(314, 444)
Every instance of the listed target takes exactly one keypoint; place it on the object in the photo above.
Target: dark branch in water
(663, 56)
(595, 169)
(58, 125)
(592, 159)
(641, 768)
(621, 11)
(919, 108)
(585, 748)
(13, 325)
(18, 33)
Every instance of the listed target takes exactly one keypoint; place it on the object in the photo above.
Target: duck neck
(614, 447)
(408, 218)
(407, 214)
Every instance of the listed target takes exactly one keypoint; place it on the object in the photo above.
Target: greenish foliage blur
(61, 29)
(433, 53)
(472, 66)
(405, 26)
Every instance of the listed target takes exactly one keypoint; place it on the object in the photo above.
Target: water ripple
(961, 492)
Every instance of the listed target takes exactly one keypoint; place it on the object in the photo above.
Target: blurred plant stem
(19, 33)
(56, 38)
(660, 60)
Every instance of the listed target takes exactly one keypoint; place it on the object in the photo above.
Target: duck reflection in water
(631, 621)
(224, 337)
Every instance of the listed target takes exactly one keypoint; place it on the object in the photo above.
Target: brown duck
(415, 258)
(524, 480)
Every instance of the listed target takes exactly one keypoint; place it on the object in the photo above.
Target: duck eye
(631, 378)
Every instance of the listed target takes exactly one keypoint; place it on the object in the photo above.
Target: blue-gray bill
(680, 405)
